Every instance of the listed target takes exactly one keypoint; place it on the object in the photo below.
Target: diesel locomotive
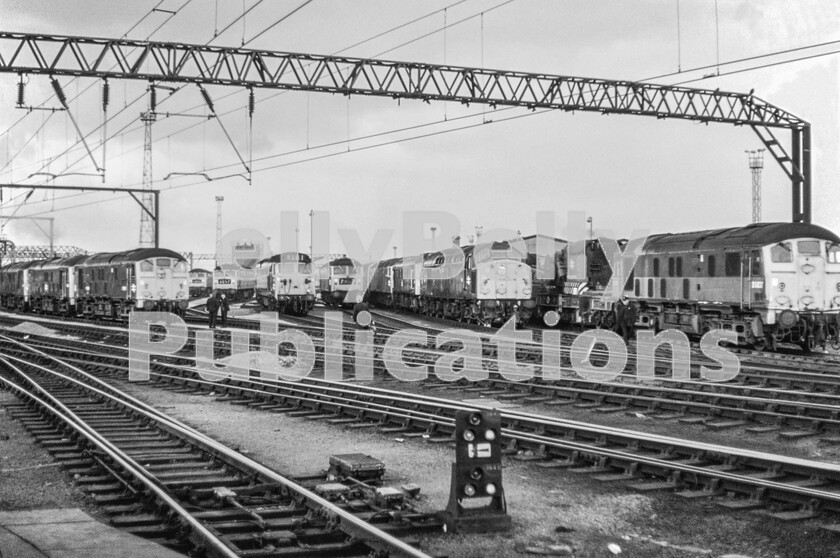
(107, 285)
(483, 284)
(340, 278)
(235, 282)
(201, 282)
(285, 283)
(770, 283)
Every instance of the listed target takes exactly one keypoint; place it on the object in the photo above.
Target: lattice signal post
(756, 159)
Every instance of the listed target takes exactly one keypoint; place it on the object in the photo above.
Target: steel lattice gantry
(39, 252)
(177, 62)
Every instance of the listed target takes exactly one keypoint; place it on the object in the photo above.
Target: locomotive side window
(832, 252)
(755, 263)
(780, 253)
(808, 247)
(637, 288)
(711, 266)
(733, 264)
(656, 267)
(628, 284)
(663, 292)
(686, 288)
(679, 267)
(670, 267)
(650, 288)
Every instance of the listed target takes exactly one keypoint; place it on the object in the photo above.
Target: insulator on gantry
(106, 95)
(207, 99)
(21, 87)
(251, 103)
(152, 97)
(58, 92)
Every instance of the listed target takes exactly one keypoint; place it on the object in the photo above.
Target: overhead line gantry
(24, 53)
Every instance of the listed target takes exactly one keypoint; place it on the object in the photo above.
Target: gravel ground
(548, 507)
(29, 476)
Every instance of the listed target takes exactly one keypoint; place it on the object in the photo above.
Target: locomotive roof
(285, 258)
(199, 270)
(23, 265)
(756, 234)
(344, 261)
(230, 267)
(56, 263)
(136, 255)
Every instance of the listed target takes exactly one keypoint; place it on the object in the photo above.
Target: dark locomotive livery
(201, 282)
(484, 284)
(285, 283)
(577, 281)
(109, 285)
(339, 278)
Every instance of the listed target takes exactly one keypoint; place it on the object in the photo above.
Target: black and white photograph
(424, 279)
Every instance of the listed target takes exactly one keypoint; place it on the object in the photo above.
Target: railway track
(787, 487)
(161, 479)
(793, 413)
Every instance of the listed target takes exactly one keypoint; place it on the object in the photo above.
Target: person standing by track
(224, 306)
(622, 310)
(213, 309)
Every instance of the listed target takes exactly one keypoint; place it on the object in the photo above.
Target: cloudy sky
(366, 161)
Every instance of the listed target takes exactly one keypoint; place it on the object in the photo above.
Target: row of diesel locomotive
(484, 284)
(770, 283)
(107, 285)
(284, 282)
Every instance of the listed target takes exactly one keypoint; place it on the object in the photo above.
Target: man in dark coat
(619, 312)
(630, 315)
(213, 309)
(625, 317)
(224, 305)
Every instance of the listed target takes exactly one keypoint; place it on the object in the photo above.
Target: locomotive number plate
(345, 281)
(224, 281)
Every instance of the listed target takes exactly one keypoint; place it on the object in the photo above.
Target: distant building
(243, 247)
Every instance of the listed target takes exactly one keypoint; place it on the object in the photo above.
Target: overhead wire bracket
(62, 98)
(212, 108)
